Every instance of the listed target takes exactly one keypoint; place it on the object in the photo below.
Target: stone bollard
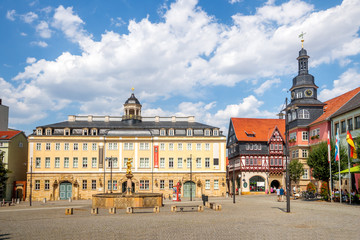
(44, 200)
(156, 209)
(112, 210)
(69, 211)
(94, 211)
(207, 204)
(200, 208)
(70, 200)
(129, 210)
(217, 207)
(173, 208)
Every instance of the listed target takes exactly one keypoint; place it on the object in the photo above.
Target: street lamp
(31, 161)
(233, 172)
(110, 160)
(190, 177)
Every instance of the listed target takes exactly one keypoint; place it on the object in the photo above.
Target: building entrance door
(187, 189)
(65, 190)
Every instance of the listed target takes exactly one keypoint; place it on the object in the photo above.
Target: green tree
(296, 170)
(318, 161)
(3, 174)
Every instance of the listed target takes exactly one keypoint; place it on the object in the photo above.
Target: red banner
(156, 156)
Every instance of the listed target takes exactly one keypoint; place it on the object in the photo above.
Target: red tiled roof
(334, 104)
(262, 127)
(6, 135)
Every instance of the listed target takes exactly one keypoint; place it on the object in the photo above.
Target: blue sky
(209, 59)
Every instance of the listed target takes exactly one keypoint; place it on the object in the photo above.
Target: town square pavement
(251, 217)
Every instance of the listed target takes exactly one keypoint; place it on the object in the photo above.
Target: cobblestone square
(252, 217)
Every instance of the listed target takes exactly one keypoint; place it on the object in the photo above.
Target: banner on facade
(156, 156)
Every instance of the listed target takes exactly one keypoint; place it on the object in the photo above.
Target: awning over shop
(355, 169)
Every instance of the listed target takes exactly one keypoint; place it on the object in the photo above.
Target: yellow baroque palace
(87, 155)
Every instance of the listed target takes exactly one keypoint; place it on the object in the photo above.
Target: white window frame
(180, 146)
(93, 162)
(66, 146)
(85, 146)
(171, 146)
(189, 132)
(171, 162)
(57, 162)
(162, 132)
(207, 146)
(144, 146)
(162, 184)
(76, 146)
(305, 136)
(189, 146)
(171, 132)
(207, 162)
(198, 162)
(38, 146)
(48, 146)
(207, 184)
(162, 162)
(84, 162)
(47, 162)
(94, 146)
(180, 163)
(162, 146)
(66, 162)
(75, 162)
(144, 163)
(38, 162)
(216, 184)
(216, 132)
(57, 146)
(198, 147)
(207, 132)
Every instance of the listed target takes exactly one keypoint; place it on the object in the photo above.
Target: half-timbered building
(256, 154)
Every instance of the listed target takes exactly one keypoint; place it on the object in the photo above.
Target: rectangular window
(293, 154)
(38, 162)
(305, 175)
(48, 146)
(162, 132)
(94, 146)
(37, 184)
(75, 162)
(84, 162)
(180, 146)
(276, 161)
(144, 163)
(350, 124)
(198, 147)
(336, 127)
(357, 122)
(144, 184)
(112, 146)
(207, 132)
(38, 146)
(57, 146)
(280, 146)
(207, 162)
(114, 184)
(47, 185)
(247, 161)
(188, 162)
(189, 146)
(251, 161)
(189, 132)
(304, 153)
(162, 146)
(297, 153)
(198, 162)
(85, 146)
(305, 136)
(293, 136)
(57, 162)
(162, 162)
(93, 184)
(343, 127)
(216, 184)
(171, 147)
(162, 184)
(171, 132)
(180, 163)
(280, 162)
(93, 162)
(171, 162)
(128, 146)
(66, 162)
(207, 146)
(171, 184)
(66, 146)
(94, 132)
(207, 184)
(144, 146)
(272, 146)
(216, 132)
(84, 185)
(276, 147)
(216, 162)
(76, 146)
(271, 161)
(47, 162)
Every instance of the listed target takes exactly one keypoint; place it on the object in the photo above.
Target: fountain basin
(122, 200)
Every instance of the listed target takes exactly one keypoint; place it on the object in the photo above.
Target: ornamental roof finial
(302, 38)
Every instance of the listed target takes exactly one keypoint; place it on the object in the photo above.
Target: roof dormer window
(48, 131)
(252, 134)
(171, 132)
(207, 132)
(94, 131)
(67, 132)
(85, 131)
(39, 131)
(189, 132)
(162, 132)
(216, 132)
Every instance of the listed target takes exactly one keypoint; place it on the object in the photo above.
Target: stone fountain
(129, 198)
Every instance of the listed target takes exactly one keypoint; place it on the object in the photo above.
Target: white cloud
(43, 29)
(117, 22)
(23, 34)
(10, 14)
(267, 85)
(189, 50)
(30, 60)
(235, 1)
(39, 43)
(349, 80)
(29, 17)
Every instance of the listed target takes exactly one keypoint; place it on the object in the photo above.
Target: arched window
(304, 114)
(257, 184)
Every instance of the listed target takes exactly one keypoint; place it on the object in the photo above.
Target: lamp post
(190, 177)
(110, 160)
(233, 187)
(287, 154)
(31, 161)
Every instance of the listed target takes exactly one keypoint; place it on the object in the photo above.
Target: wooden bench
(130, 210)
(187, 208)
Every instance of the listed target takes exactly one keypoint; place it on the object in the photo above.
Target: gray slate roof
(352, 104)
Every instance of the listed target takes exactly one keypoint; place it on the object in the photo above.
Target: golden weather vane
(132, 89)
(302, 38)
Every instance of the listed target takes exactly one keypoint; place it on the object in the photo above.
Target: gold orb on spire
(132, 89)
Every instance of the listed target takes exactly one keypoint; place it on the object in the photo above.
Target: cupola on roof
(132, 99)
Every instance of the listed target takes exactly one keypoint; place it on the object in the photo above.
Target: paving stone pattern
(252, 217)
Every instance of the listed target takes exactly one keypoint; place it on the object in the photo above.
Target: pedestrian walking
(281, 194)
(278, 194)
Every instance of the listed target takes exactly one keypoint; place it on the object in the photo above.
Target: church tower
(304, 107)
(132, 110)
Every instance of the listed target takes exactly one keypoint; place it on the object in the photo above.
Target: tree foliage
(311, 187)
(318, 161)
(296, 170)
(324, 191)
(3, 173)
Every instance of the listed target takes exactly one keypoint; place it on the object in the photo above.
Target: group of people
(345, 196)
(279, 192)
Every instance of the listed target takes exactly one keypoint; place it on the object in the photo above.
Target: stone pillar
(101, 156)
